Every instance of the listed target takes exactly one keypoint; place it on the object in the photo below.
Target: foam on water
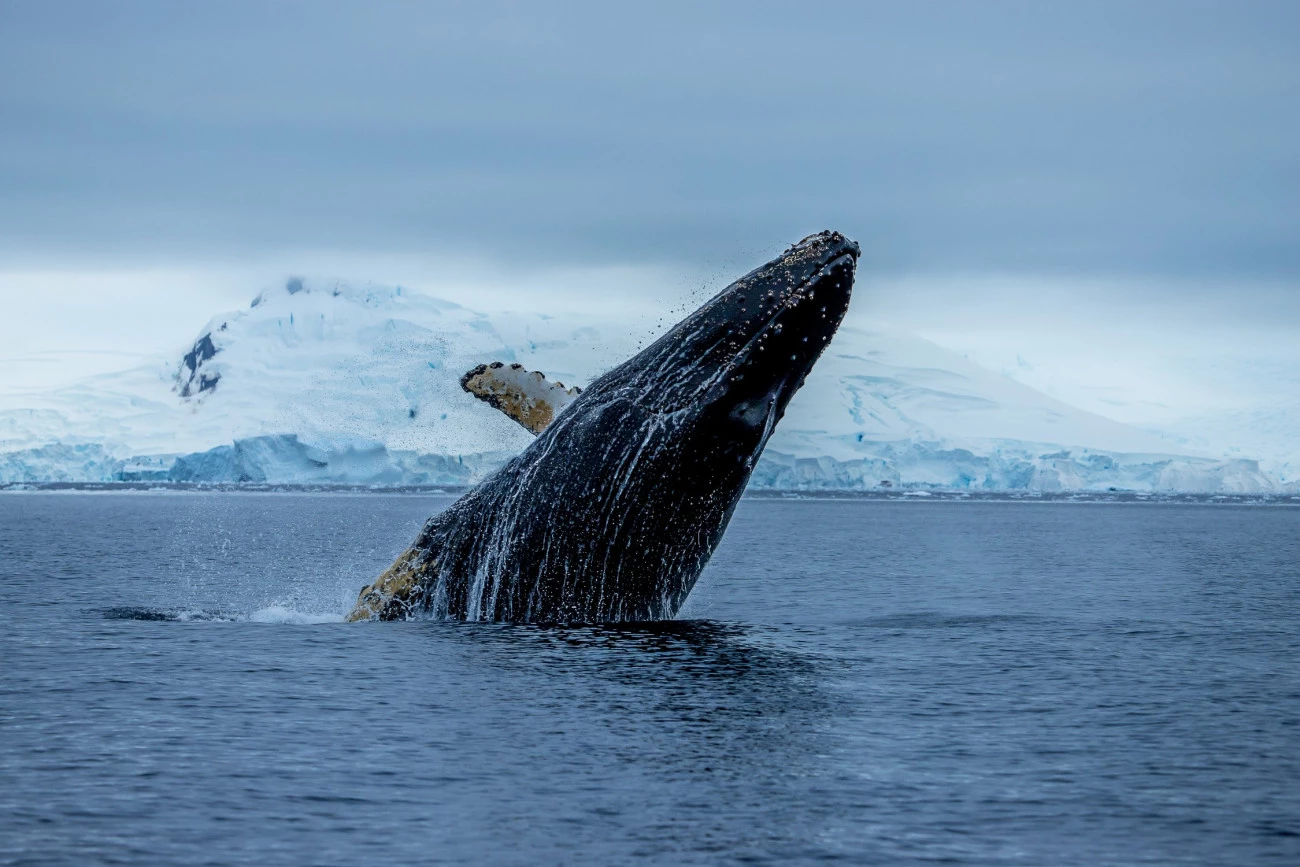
(280, 614)
(269, 614)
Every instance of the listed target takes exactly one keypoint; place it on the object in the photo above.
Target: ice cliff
(332, 383)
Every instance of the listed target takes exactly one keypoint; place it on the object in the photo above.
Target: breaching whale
(611, 513)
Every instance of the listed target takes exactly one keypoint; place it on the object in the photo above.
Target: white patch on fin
(524, 395)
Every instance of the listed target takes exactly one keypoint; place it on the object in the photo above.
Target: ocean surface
(885, 682)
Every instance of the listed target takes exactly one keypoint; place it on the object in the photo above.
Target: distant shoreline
(895, 495)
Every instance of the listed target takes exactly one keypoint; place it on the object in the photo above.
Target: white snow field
(331, 383)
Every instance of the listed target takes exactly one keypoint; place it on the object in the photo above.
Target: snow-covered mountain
(336, 383)
(891, 404)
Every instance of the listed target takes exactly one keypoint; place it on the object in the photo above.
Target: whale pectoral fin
(395, 594)
(527, 396)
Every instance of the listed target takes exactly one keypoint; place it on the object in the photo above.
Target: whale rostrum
(611, 513)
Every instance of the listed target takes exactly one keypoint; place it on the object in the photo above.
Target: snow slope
(335, 365)
(360, 384)
(887, 406)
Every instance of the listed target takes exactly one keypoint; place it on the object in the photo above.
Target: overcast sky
(1142, 153)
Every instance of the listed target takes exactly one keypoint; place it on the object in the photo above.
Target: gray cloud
(1091, 138)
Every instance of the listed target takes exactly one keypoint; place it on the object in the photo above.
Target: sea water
(871, 681)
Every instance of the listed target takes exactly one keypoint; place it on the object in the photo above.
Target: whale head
(724, 375)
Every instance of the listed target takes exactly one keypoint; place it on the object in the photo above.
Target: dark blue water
(876, 682)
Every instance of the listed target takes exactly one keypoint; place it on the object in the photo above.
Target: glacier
(325, 382)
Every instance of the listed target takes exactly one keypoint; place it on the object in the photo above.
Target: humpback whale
(611, 513)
